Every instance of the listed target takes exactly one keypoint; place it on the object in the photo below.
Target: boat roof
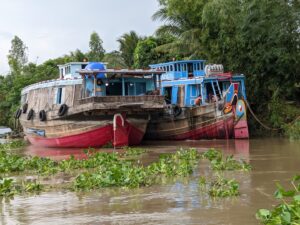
(126, 72)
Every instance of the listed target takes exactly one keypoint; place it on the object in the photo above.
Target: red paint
(241, 130)
(93, 138)
(220, 129)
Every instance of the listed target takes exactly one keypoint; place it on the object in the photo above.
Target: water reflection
(176, 202)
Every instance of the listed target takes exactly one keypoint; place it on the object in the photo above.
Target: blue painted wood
(174, 95)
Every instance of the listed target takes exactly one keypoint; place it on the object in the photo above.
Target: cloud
(53, 28)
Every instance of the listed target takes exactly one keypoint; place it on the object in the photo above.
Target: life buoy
(42, 115)
(18, 113)
(62, 110)
(227, 108)
(177, 110)
(30, 114)
(24, 108)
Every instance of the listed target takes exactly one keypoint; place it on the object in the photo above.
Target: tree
(77, 56)
(96, 49)
(17, 56)
(114, 60)
(182, 20)
(128, 43)
(147, 52)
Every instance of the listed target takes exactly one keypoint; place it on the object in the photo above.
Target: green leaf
(263, 214)
(297, 198)
(286, 217)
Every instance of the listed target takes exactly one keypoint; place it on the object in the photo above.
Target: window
(59, 96)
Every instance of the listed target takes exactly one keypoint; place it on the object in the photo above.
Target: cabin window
(62, 72)
(171, 68)
(201, 66)
(59, 96)
(179, 67)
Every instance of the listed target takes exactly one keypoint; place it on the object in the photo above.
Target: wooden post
(123, 86)
(94, 84)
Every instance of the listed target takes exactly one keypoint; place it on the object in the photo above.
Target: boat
(201, 102)
(4, 131)
(90, 106)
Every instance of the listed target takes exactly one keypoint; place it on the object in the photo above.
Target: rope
(264, 125)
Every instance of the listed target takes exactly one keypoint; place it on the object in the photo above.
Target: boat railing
(123, 99)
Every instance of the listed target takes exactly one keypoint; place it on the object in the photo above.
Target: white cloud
(53, 28)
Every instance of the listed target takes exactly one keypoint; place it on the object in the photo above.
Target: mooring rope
(264, 125)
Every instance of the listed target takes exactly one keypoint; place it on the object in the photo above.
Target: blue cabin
(185, 81)
(99, 81)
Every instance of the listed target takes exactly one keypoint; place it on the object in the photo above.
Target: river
(178, 202)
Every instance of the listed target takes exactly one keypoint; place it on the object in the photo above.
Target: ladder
(216, 88)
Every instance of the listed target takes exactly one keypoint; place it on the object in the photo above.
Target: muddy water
(177, 202)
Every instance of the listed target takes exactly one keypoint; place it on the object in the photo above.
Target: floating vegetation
(12, 145)
(8, 187)
(121, 173)
(181, 163)
(220, 162)
(103, 169)
(134, 151)
(220, 186)
(288, 211)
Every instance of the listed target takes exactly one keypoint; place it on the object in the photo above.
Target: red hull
(93, 138)
(219, 129)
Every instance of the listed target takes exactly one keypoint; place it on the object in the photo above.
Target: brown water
(178, 202)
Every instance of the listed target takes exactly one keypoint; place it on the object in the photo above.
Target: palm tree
(182, 20)
(128, 43)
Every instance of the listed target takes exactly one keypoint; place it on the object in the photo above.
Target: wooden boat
(91, 107)
(202, 102)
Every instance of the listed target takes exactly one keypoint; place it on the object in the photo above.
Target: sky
(52, 28)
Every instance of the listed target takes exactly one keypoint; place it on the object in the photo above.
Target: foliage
(134, 151)
(97, 51)
(146, 52)
(256, 37)
(288, 211)
(128, 43)
(17, 56)
(114, 60)
(113, 171)
(9, 187)
(220, 162)
(221, 187)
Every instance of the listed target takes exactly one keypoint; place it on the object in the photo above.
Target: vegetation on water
(9, 187)
(288, 211)
(256, 37)
(221, 162)
(220, 186)
(124, 169)
(122, 173)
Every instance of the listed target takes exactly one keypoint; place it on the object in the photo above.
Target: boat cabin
(185, 82)
(99, 81)
(70, 70)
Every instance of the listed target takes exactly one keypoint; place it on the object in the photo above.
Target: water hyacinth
(220, 162)
(288, 211)
(123, 173)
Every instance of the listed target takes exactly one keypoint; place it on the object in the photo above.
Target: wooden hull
(197, 123)
(83, 134)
